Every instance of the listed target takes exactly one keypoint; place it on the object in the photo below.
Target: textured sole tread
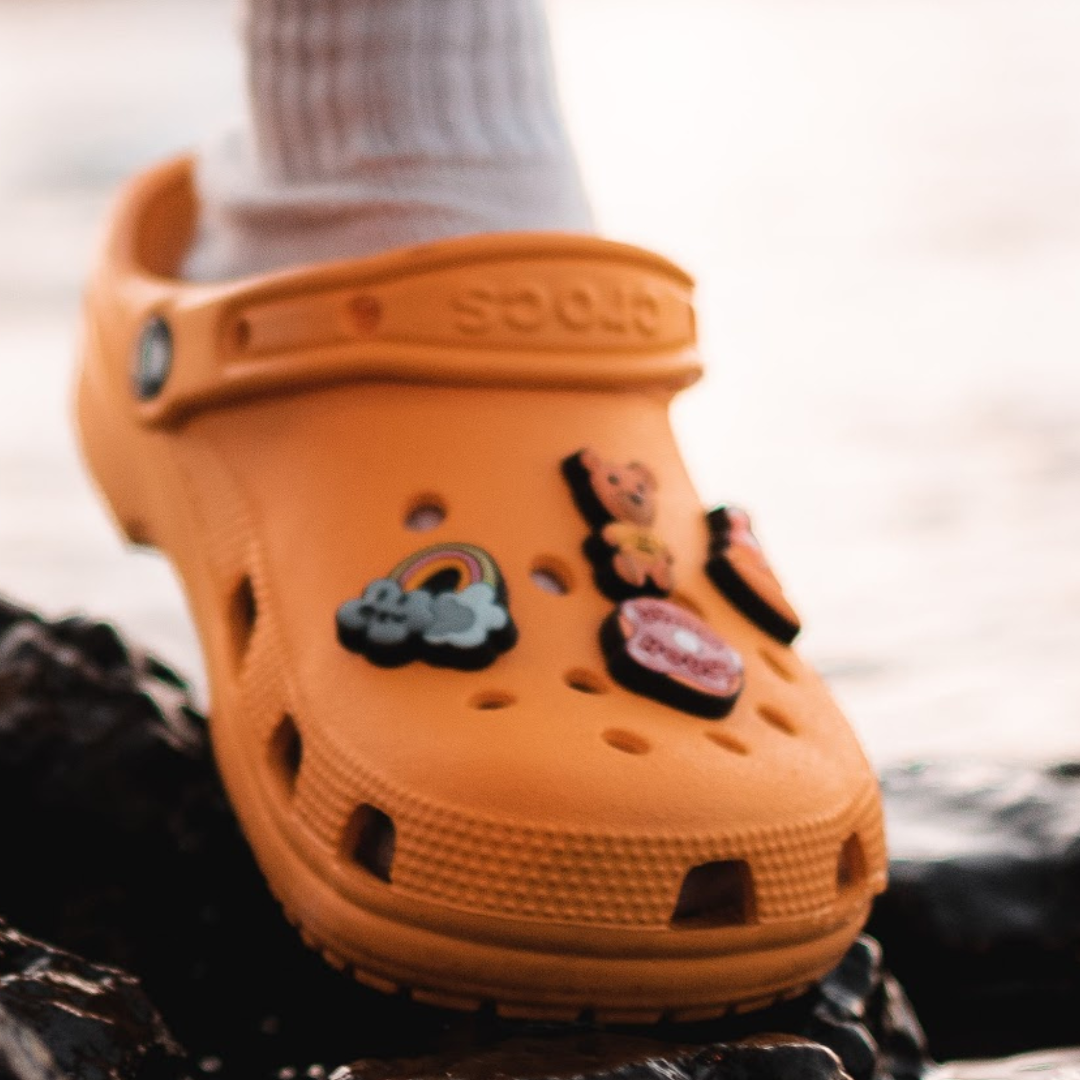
(441, 1000)
(374, 982)
(540, 1012)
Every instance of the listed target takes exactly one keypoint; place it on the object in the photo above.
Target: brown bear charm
(619, 502)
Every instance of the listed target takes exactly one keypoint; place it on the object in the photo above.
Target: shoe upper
(473, 640)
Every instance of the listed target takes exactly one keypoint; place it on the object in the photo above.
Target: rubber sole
(541, 1011)
(626, 977)
(518, 1011)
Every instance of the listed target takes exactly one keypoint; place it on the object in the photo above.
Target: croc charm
(656, 648)
(619, 502)
(652, 646)
(738, 568)
(446, 605)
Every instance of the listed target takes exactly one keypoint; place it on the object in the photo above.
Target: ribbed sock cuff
(376, 123)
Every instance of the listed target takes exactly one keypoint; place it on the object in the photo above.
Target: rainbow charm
(469, 565)
(446, 605)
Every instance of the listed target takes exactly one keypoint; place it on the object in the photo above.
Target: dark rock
(62, 1017)
(104, 764)
(862, 1013)
(982, 918)
(614, 1057)
(858, 1011)
(130, 855)
(133, 858)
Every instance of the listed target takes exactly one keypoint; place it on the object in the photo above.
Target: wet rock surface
(63, 1016)
(126, 853)
(982, 918)
(615, 1057)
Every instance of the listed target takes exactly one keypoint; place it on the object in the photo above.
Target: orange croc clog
(505, 715)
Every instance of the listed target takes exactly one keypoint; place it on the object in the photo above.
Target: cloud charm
(446, 605)
(465, 620)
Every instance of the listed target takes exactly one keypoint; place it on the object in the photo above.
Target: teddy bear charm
(619, 503)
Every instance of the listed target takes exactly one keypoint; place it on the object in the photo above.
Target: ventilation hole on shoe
(686, 603)
(586, 682)
(369, 841)
(626, 741)
(777, 665)
(492, 699)
(851, 867)
(426, 513)
(366, 313)
(243, 612)
(715, 894)
(728, 742)
(551, 576)
(287, 752)
(241, 334)
(777, 719)
(137, 532)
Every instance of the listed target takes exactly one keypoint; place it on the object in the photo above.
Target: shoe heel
(108, 458)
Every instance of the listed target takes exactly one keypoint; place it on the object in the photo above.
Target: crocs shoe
(505, 715)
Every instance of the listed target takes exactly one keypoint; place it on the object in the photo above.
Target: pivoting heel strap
(543, 310)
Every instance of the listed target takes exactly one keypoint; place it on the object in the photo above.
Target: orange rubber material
(528, 831)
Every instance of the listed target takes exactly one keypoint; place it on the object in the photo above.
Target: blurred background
(880, 200)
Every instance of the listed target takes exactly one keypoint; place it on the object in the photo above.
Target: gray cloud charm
(446, 605)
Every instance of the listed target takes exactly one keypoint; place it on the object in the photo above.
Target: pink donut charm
(661, 650)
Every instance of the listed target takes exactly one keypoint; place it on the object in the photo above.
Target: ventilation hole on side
(370, 838)
(287, 752)
(728, 742)
(551, 576)
(426, 513)
(777, 665)
(586, 682)
(241, 334)
(626, 741)
(366, 312)
(851, 867)
(715, 894)
(137, 532)
(772, 715)
(243, 612)
(492, 699)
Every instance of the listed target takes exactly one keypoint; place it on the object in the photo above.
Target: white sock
(378, 123)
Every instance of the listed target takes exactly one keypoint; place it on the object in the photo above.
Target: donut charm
(738, 568)
(658, 649)
(619, 503)
(446, 605)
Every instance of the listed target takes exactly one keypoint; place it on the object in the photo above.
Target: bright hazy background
(881, 202)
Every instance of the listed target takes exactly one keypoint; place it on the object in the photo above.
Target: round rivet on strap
(153, 359)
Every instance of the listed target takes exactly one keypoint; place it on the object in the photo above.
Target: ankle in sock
(374, 124)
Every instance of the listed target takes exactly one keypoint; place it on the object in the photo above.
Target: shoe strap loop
(541, 310)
